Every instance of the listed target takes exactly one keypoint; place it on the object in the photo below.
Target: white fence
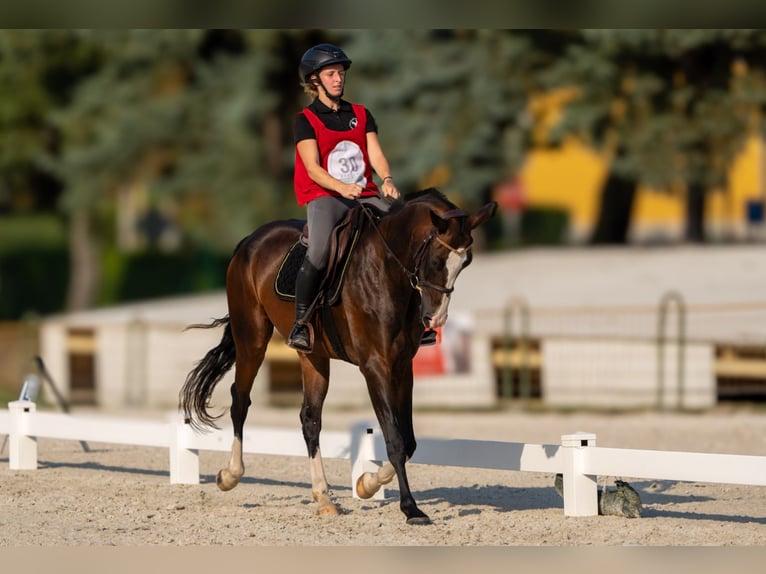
(577, 457)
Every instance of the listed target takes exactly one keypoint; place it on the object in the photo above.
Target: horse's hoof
(328, 509)
(225, 480)
(419, 520)
(361, 489)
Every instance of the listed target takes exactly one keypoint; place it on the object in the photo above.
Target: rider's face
(333, 78)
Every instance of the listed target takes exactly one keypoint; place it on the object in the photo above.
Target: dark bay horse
(399, 279)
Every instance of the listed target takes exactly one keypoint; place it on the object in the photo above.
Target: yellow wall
(572, 177)
(745, 184)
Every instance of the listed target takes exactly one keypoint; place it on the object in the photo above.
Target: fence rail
(577, 457)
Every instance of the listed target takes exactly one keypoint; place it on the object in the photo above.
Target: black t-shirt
(339, 121)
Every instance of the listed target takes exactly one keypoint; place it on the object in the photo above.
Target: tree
(37, 75)
(661, 105)
(451, 105)
(168, 122)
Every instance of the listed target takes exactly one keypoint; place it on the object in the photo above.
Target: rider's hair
(310, 88)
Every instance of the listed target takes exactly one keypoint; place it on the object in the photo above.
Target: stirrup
(428, 338)
(301, 337)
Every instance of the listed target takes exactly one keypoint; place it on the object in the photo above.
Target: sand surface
(121, 495)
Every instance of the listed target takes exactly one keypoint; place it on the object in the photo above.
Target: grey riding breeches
(323, 213)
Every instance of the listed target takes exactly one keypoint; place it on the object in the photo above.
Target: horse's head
(443, 253)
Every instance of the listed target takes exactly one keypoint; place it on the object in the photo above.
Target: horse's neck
(402, 232)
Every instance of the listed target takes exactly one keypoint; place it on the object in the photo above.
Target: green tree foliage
(672, 106)
(171, 118)
(38, 72)
(189, 128)
(451, 105)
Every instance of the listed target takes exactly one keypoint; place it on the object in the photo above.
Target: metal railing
(668, 299)
(516, 307)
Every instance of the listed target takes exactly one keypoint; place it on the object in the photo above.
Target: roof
(176, 310)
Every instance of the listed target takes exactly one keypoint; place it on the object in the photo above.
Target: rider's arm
(380, 165)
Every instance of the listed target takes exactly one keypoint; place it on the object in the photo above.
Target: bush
(155, 274)
(34, 269)
(544, 226)
(24, 232)
(33, 280)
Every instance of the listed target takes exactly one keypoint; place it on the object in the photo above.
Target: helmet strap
(334, 99)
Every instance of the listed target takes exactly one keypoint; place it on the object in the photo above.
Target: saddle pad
(284, 284)
(342, 242)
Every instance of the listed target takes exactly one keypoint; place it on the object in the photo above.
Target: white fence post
(363, 456)
(184, 461)
(23, 448)
(580, 490)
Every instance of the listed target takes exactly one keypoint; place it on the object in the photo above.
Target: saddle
(343, 239)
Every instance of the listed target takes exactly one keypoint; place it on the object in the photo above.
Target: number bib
(346, 163)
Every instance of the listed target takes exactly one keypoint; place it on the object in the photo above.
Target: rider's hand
(388, 189)
(351, 190)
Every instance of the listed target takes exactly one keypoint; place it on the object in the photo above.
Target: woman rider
(337, 149)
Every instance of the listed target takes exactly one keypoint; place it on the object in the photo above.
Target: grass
(6, 396)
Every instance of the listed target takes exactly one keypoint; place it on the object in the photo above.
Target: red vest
(342, 154)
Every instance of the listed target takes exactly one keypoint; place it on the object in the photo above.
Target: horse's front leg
(316, 372)
(369, 483)
(393, 407)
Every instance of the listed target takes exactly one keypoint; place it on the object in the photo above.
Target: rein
(417, 283)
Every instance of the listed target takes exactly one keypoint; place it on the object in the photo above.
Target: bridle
(417, 283)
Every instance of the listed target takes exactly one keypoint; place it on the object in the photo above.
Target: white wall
(624, 374)
(471, 390)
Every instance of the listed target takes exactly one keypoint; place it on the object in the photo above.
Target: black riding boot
(306, 284)
(429, 338)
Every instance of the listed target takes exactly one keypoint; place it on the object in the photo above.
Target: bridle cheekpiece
(417, 283)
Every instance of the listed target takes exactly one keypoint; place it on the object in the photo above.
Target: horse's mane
(423, 194)
(432, 191)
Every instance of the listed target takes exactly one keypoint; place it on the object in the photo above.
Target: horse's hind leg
(252, 339)
(316, 372)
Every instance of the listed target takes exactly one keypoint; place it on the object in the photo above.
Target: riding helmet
(320, 56)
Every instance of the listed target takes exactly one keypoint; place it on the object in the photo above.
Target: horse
(399, 280)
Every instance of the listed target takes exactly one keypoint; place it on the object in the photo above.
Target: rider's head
(326, 58)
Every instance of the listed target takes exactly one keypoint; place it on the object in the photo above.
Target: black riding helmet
(320, 56)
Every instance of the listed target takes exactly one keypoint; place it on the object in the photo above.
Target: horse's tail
(200, 382)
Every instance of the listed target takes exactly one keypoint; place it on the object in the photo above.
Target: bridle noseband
(417, 283)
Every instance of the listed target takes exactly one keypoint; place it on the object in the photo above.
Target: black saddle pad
(341, 244)
(284, 285)
(332, 285)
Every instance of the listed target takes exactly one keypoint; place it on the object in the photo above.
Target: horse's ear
(441, 224)
(476, 219)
